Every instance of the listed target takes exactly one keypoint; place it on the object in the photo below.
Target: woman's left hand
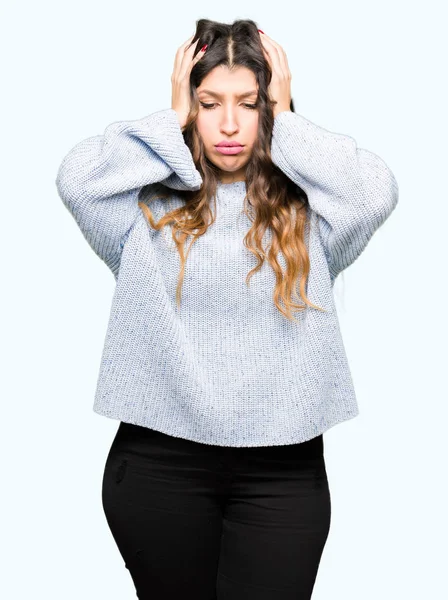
(280, 85)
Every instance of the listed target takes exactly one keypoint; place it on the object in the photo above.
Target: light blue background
(371, 70)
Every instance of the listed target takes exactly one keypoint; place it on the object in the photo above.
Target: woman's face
(229, 118)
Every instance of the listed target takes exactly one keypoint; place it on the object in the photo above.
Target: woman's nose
(229, 123)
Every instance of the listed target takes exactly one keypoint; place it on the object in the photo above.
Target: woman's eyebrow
(216, 95)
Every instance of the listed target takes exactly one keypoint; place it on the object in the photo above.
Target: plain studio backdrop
(371, 70)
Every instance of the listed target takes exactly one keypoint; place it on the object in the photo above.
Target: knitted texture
(226, 368)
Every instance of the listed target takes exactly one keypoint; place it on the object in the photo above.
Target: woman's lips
(229, 149)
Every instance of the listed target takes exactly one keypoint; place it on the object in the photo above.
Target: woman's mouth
(229, 149)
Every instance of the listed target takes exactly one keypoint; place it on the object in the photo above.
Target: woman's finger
(181, 52)
(279, 53)
(274, 55)
(187, 61)
(189, 43)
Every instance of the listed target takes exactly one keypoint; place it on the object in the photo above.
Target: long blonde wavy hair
(272, 200)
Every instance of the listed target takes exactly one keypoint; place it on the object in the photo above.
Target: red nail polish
(204, 47)
(260, 31)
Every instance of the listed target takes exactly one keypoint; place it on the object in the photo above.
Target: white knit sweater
(227, 368)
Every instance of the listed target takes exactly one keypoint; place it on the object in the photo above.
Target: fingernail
(260, 31)
(203, 49)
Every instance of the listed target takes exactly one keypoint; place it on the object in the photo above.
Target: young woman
(215, 485)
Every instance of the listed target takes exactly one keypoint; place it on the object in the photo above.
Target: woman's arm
(352, 190)
(100, 178)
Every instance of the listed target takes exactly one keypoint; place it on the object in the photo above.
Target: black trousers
(209, 522)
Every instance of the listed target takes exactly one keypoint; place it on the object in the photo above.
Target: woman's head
(234, 64)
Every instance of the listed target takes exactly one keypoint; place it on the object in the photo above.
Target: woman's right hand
(180, 79)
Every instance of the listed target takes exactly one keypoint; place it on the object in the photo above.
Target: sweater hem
(282, 440)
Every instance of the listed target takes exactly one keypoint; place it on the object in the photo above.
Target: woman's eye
(212, 106)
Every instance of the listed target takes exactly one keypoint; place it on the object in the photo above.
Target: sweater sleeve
(352, 190)
(99, 180)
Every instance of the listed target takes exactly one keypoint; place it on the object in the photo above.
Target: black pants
(209, 522)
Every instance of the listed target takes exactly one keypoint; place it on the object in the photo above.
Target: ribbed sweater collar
(230, 193)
